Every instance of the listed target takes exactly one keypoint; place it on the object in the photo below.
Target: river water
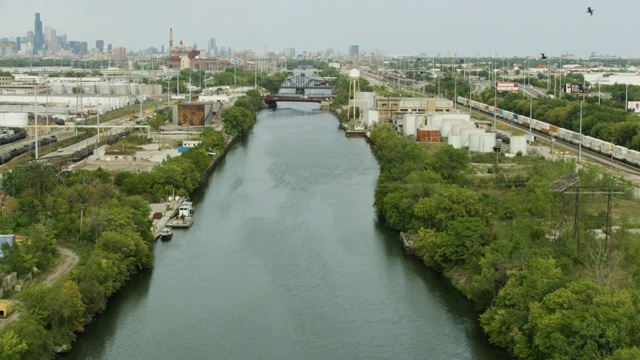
(287, 260)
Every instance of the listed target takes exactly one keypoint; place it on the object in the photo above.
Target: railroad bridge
(301, 83)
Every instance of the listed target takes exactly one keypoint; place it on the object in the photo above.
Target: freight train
(15, 152)
(112, 139)
(12, 135)
(620, 153)
(82, 153)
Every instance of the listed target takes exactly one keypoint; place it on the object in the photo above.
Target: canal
(287, 260)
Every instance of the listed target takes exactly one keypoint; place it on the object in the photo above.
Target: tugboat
(184, 217)
(165, 234)
(186, 209)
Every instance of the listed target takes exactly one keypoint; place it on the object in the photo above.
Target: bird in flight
(543, 56)
(590, 11)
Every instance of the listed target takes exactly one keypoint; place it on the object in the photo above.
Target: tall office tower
(53, 41)
(38, 36)
(84, 48)
(162, 49)
(109, 48)
(30, 37)
(211, 44)
(120, 53)
(47, 37)
(100, 46)
(354, 50)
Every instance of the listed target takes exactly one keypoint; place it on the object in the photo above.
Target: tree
(237, 120)
(462, 240)
(33, 334)
(12, 347)
(581, 321)
(504, 321)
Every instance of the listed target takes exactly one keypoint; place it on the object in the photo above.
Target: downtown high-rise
(38, 36)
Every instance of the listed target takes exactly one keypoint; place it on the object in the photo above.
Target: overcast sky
(400, 27)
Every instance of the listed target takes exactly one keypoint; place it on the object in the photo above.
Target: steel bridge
(302, 83)
(323, 100)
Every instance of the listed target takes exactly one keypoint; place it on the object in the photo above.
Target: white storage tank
(447, 127)
(474, 141)
(464, 135)
(435, 121)
(14, 119)
(487, 142)
(454, 140)
(455, 129)
(518, 144)
(103, 88)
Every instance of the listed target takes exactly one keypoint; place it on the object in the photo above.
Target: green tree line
(508, 244)
(105, 219)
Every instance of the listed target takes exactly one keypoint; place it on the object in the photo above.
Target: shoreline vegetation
(102, 217)
(507, 242)
(550, 275)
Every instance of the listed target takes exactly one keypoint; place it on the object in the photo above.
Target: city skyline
(463, 28)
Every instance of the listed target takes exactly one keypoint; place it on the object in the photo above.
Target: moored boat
(166, 233)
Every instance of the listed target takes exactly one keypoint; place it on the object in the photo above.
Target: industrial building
(195, 113)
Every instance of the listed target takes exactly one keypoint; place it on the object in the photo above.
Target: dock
(407, 242)
(162, 213)
(354, 133)
(178, 222)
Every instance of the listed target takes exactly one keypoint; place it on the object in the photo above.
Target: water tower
(354, 89)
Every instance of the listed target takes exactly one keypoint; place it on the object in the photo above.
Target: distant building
(84, 48)
(38, 36)
(120, 53)
(354, 50)
(100, 46)
(390, 107)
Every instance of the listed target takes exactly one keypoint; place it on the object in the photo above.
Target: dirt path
(69, 260)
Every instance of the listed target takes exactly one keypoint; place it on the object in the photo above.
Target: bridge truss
(301, 82)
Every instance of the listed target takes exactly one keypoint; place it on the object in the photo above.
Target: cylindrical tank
(456, 128)
(518, 144)
(103, 88)
(454, 140)
(428, 134)
(354, 73)
(474, 141)
(487, 142)
(434, 120)
(464, 135)
(447, 127)
(14, 119)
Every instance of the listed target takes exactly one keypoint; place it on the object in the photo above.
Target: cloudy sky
(400, 27)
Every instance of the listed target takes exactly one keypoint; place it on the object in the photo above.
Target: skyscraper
(38, 36)
(100, 46)
(354, 50)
